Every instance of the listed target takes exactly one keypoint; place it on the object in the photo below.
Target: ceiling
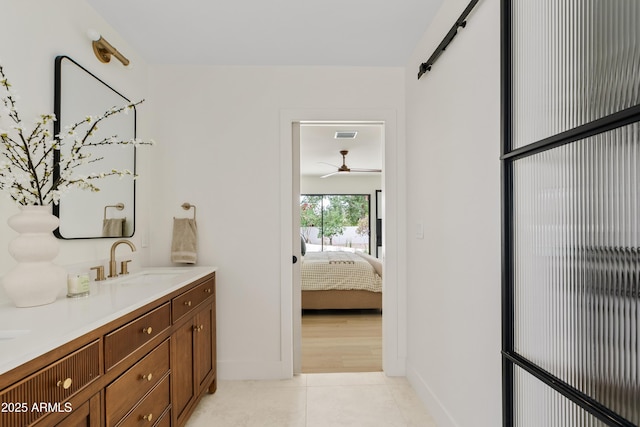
(319, 147)
(280, 33)
(275, 32)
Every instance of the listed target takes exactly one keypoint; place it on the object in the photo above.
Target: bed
(341, 280)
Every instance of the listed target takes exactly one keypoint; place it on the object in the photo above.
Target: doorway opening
(339, 223)
(341, 341)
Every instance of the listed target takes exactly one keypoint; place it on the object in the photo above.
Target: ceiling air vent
(351, 134)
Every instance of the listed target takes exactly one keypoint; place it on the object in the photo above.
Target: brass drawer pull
(208, 290)
(147, 330)
(147, 417)
(147, 377)
(187, 303)
(64, 384)
(198, 328)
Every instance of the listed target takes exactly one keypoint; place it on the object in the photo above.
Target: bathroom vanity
(140, 350)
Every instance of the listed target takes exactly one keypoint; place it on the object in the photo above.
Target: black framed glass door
(571, 212)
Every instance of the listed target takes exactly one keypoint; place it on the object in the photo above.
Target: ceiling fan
(345, 169)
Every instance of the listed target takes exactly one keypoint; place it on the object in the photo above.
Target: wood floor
(341, 341)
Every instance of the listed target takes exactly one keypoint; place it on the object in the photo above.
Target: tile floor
(314, 400)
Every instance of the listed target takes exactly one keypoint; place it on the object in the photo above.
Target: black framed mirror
(109, 212)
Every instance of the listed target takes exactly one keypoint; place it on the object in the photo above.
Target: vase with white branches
(27, 175)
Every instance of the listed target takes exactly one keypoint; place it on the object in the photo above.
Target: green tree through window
(335, 222)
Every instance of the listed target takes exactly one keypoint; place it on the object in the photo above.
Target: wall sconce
(104, 50)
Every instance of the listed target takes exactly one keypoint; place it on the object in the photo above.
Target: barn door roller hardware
(460, 23)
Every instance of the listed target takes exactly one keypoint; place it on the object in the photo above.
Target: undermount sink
(150, 276)
(9, 334)
(162, 272)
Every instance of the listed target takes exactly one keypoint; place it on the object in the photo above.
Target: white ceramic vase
(35, 280)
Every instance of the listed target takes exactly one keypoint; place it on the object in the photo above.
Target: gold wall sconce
(104, 50)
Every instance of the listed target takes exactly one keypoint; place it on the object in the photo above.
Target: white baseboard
(252, 370)
(435, 407)
(394, 367)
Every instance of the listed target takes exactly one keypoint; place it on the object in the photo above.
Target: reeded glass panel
(573, 61)
(536, 405)
(577, 272)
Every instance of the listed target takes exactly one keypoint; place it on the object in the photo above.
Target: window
(337, 222)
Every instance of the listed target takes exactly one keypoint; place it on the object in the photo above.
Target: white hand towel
(185, 241)
(113, 227)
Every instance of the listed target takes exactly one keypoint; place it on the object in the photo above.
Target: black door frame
(510, 358)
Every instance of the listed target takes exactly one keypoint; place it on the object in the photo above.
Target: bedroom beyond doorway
(341, 341)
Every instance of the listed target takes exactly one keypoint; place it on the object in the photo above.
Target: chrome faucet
(112, 260)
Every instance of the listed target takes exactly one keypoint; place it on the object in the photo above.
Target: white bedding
(338, 271)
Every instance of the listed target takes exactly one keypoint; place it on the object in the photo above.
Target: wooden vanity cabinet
(132, 386)
(151, 407)
(193, 350)
(48, 389)
(124, 341)
(204, 346)
(148, 368)
(86, 415)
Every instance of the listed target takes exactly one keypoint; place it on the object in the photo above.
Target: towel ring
(186, 206)
(118, 206)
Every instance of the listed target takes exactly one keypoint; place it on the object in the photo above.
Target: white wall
(219, 147)
(342, 185)
(219, 144)
(33, 33)
(218, 130)
(453, 140)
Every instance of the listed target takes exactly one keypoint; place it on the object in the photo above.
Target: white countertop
(26, 333)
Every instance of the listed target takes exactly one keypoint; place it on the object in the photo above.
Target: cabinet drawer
(165, 421)
(131, 386)
(183, 304)
(130, 337)
(151, 408)
(48, 389)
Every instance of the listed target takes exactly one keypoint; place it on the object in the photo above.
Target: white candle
(77, 285)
